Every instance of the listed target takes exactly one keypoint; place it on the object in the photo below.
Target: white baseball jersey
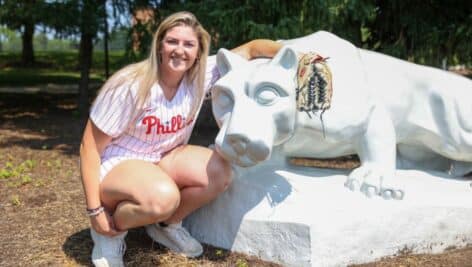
(161, 126)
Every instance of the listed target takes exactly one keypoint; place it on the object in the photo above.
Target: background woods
(433, 32)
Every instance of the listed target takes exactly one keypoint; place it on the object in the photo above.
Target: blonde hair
(147, 71)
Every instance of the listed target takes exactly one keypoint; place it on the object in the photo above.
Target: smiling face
(179, 49)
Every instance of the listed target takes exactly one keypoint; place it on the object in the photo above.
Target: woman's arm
(258, 48)
(93, 143)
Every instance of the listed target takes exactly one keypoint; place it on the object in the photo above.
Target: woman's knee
(161, 201)
(219, 172)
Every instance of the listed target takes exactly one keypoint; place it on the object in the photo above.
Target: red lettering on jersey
(175, 124)
(160, 127)
(150, 121)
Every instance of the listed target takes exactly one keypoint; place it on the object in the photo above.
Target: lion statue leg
(377, 152)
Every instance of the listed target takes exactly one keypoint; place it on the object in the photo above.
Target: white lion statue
(387, 111)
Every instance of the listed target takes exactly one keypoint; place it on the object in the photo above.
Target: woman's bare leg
(138, 193)
(200, 174)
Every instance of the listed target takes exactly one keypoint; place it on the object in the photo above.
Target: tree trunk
(27, 56)
(85, 62)
(105, 44)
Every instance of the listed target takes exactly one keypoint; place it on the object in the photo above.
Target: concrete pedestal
(300, 216)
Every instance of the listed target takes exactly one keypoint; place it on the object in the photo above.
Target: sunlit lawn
(54, 67)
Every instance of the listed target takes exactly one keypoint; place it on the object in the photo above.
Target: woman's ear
(227, 61)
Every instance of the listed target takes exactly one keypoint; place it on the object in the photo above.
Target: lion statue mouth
(239, 149)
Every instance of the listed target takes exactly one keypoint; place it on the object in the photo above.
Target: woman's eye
(267, 96)
(190, 45)
(172, 41)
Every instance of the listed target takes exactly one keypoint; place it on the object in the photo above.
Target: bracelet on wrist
(95, 212)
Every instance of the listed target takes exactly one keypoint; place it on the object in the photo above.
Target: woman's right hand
(103, 224)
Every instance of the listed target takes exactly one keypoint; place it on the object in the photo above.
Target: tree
(145, 16)
(23, 16)
(233, 22)
(105, 42)
(90, 12)
(426, 32)
(92, 16)
(86, 18)
(423, 31)
(82, 18)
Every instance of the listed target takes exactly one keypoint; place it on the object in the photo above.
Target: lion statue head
(254, 105)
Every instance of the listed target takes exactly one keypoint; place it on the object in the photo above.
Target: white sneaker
(176, 238)
(108, 251)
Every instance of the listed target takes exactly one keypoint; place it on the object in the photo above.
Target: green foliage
(241, 263)
(15, 200)
(18, 174)
(422, 31)
(234, 22)
(117, 40)
(9, 40)
(15, 14)
(23, 16)
(145, 32)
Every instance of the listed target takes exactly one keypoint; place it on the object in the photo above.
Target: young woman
(136, 166)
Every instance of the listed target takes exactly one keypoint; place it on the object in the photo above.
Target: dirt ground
(42, 220)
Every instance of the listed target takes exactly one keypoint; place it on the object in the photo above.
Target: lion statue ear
(286, 58)
(227, 61)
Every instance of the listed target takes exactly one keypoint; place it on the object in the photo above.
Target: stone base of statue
(300, 216)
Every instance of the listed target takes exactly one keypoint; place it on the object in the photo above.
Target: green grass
(54, 67)
(28, 77)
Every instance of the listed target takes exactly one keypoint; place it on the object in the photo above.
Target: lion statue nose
(256, 150)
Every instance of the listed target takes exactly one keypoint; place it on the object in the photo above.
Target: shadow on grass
(79, 247)
(40, 122)
(141, 251)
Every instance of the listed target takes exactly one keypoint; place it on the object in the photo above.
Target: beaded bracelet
(95, 212)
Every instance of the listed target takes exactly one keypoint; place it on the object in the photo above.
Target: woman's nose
(179, 50)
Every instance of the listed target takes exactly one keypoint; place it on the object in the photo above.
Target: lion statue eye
(224, 100)
(267, 96)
